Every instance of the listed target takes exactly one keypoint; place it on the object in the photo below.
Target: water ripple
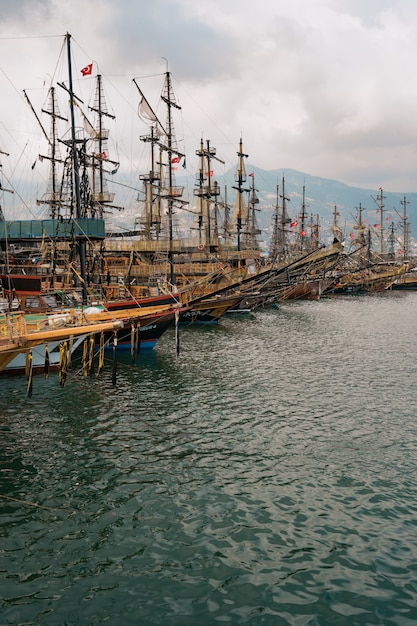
(264, 477)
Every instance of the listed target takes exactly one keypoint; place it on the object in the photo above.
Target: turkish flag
(88, 69)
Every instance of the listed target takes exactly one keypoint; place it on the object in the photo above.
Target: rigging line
(149, 75)
(18, 194)
(51, 239)
(17, 38)
(9, 81)
(114, 182)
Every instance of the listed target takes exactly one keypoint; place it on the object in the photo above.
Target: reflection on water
(265, 476)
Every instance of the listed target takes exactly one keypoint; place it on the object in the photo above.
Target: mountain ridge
(322, 196)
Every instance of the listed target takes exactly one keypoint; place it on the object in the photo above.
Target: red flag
(303, 233)
(175, 159)
(376, 225)
(352, 236)
(251, 174)
(210, 173)
(388, 218)
(294, 223)
(88, 69)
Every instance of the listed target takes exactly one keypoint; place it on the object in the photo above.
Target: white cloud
(326, 87)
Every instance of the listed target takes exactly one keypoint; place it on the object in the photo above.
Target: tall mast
(100, 193)
(359, 226)
(315, 231)
(303, 216)
(76, 173)
(226, 222)
(53, 195)
(273, 250)
(240, 178)
(151, 217)
(206, 191)
(406, 233)
(391, 242)
(200, 191)
(285, 220)
(169, 99)
(252, 228)
(380, 202)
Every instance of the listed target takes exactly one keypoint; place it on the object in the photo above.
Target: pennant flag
(294, 223)
(251, 174)
(175, 159)
(184, 164)
(88, 69)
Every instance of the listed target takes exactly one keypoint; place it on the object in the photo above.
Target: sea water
(265, 476)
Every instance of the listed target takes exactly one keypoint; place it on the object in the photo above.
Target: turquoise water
(266, 476)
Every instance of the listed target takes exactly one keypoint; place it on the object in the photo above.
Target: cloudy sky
(326, 87)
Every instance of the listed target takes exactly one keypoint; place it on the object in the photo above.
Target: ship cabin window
(33, 302)
(50, 301)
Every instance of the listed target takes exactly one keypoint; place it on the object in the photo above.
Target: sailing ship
(73, 236)
(41, 337)
(366, 269)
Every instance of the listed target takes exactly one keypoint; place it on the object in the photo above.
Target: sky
(326, 87)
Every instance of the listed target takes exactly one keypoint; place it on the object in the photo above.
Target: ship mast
(53, 195)
(100, 195)
(273, 250)
(303, 216)
(206, 193)
(173, 192)
(380, 202)
(406, 230)
(336, 230)
(151, 223)
(76, 174)
(240, 179)
(285, 220)
(160, 188)
(253, 231)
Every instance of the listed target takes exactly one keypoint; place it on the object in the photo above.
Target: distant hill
(322, 196)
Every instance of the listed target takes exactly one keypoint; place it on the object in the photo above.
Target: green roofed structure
(57, 229)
